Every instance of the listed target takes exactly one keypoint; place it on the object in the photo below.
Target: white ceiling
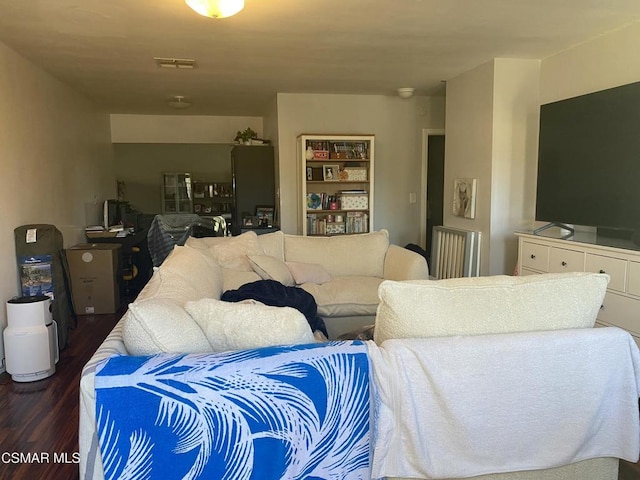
(105, 48)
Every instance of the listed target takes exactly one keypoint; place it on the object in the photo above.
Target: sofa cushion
(160, 325)
(234, 279)
(361, 254)
(195, 268)
(271, 268)
(308, 273)
(346, 296)
(229, 252)
(273, 244)
(488, 305)
(244, 325)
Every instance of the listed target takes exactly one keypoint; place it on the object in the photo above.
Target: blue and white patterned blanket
(295, 412)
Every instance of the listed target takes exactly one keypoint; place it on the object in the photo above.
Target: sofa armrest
(403, 264)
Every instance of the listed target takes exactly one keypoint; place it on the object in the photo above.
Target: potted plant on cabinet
(245, 136)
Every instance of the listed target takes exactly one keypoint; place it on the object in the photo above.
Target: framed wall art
(464, 197)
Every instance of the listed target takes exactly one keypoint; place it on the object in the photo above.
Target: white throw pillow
(488, 305)
(270, 268)
(159, 325)
(239, 326)
(308, 273)
(232, 252)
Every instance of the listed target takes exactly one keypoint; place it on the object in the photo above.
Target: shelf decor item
(330, 173)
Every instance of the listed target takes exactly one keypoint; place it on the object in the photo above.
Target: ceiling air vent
(175, 62)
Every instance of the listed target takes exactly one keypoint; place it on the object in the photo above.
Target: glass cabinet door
(176, 193)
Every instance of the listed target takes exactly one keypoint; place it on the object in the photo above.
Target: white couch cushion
(197, 269)
(481, 305)
(273, 244)
(308, 273)
(346, 296)
(234, 279)
(160, 325)
(271, 268)
(237, 326)
(230, 252)
(361, 255)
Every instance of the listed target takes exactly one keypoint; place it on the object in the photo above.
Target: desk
(136, 267)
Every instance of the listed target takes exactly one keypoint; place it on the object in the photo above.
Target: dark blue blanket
(275, 294)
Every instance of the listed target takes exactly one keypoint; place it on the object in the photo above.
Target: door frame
(426, 132)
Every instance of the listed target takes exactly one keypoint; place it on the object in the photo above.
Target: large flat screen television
(589, 160)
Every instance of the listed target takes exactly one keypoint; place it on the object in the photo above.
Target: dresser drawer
(633, 281)
(616, 268)
(563, 260)
(620, 311)
(535, 256)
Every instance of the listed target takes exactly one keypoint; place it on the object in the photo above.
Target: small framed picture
(464, 197)
(264, 214)
(250, 221)
(309, 173)
(330, 172)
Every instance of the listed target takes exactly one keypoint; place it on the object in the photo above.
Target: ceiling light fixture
(179, 102)
(406, 92)
(216, 8)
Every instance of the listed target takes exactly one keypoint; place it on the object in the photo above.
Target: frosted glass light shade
(216, 8)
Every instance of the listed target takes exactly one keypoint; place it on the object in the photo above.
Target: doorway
(433, 185)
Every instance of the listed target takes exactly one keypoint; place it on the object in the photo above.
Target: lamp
(178, 102)
(216, 8)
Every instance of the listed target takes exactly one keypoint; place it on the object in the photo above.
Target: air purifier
(30, 339)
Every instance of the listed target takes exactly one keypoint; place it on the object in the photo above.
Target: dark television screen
(589, 160)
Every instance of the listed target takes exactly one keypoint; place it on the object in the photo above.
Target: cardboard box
(93, 269)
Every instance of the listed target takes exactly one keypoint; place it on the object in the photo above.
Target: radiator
(454, 253)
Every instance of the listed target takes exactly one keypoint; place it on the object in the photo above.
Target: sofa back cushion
(488, 305)
(196, 269)
(361, 254)
(229, 252)
(273, 244)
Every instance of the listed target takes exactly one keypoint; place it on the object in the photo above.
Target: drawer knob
(602, 271)
(533, 256)
(564, 264)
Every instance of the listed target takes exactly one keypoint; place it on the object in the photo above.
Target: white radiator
(454, 253)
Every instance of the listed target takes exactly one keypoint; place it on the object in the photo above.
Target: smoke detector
(179, 102)
(406, 92)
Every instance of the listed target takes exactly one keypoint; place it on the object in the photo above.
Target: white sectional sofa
(342, 272)
(438, 344)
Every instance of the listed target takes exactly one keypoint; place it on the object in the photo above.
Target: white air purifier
(30, 339)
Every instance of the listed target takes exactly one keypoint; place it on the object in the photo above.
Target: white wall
(516, 116)
(469, 149)
(55, 153)
(492, 125)
(605, 62)
(179, 128)
(397, 125)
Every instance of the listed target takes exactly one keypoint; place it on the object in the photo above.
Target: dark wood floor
(39, 420)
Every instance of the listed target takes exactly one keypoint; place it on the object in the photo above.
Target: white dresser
(621, 308)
